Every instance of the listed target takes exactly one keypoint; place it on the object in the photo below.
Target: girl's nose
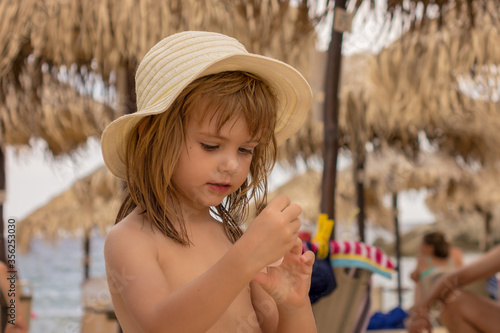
(229, 164)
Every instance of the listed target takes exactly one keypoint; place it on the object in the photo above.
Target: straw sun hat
(178, 60)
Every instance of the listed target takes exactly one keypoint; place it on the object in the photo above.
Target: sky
(34, 176)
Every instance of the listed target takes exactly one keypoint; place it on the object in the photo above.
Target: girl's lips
(219, 188)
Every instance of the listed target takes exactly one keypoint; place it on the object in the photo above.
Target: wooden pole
(330, 120)
(86, 254)
(360, 169)
(488, 244)
(398, 243)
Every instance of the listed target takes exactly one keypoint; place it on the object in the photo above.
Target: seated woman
(462, 311)
(436, 257)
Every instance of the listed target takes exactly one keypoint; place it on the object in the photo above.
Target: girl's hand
(289, 282)
(273, 232)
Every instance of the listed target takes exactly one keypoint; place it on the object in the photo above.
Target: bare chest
(183, 264)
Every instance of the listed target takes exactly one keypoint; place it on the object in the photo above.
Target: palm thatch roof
(443, 81)
(91, 202)
(99, 37)
(102, 36)
(440, 78)
(480, 192)
(108, 34)
(396, 173)
(54, 111)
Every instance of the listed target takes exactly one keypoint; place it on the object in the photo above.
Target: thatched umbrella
(442, 81)
(91, 203)
(414, 15)
(102, 37)
(472, 201)
(44, 43)
(109, 34)
(59, 115)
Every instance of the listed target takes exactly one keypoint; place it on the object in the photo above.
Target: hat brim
(292, 90)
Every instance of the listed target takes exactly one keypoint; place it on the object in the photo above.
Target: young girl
(200, 147)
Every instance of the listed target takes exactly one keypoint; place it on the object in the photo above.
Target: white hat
(178, 60)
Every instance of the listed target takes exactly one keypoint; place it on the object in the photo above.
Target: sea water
(55, 273)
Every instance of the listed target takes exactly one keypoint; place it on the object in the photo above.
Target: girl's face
(213, 163)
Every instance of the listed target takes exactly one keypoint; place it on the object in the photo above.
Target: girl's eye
(208, 147)
(246, 151)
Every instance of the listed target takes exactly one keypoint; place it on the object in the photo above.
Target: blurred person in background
(436, 257)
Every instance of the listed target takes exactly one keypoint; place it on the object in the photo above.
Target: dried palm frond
(90, 203)
(478, 193)
(446, 85)
(106, 35)
(110, 33)
(51, 110)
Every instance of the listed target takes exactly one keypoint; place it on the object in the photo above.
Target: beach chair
(347, 308)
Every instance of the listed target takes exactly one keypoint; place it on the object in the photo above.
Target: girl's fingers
(297, 248)
(292, 211)
(266, 282)
(261, 278)
(308, 258)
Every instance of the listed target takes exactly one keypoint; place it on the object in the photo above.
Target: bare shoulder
(135, 279)
(455, 251)
(422, 263)
(130, 237)
(457, 256)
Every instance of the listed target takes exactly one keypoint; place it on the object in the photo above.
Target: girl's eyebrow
(220, 137)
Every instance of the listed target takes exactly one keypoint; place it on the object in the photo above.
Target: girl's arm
(134, 273)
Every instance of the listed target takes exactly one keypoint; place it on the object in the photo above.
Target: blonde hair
(155, 144)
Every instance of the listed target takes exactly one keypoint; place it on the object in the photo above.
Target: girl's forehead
(214, 116)
(208, 115)
(221, 113)
(214, 124)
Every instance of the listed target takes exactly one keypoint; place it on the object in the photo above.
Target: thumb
(267, 283)
(308, 258)
(263, 280)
